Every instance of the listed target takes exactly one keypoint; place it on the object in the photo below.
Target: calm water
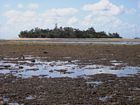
(81, 42)
(54, 69)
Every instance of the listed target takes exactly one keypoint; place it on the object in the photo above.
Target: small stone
(20, 67)
(62, 71)
(45, 52)
(51, 71)
(5, 103)
(22, 57)
(33, 60)
(1, 57)
(7, 66)
(69, 61)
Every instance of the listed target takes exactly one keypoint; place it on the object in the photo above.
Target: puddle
(130, 98)
(30, 97)
(94, 83)
(104, 98)
(5, 99)
(56, 69)
(116, 63)
(136, 89)
(14, 104)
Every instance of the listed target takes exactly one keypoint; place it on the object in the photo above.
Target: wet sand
(100, 88)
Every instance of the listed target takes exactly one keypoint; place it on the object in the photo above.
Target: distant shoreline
(81, 39)
(74, 41)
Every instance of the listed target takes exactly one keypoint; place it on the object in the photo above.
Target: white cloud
(109, 24)
(20, 6)
(7, 5)
(139, 4)
(60, 12)
(130, 11)
(72, 21)
(62, 16)
(103, 15)
(33, 6)
(29, 14)
(104, 7)
(17, 20)
(11, 14)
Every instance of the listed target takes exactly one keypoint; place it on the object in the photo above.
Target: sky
(122, 16)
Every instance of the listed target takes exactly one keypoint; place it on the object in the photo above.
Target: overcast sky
(122, 16)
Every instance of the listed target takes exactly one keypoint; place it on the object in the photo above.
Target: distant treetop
(66, 32)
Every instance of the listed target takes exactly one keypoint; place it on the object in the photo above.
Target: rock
(1, 68)
(45, 52)
(51, 71)
(69, 72)
(20, 67)
(69, 61)
(33, 60)
(32, 69)
(52, 64)
(62, 71)
(1, 57)
(22, 57)
(5, 103)
(7, 66)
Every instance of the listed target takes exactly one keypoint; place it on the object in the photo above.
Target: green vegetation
(66, 32)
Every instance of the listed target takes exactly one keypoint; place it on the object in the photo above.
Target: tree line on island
(66, 32)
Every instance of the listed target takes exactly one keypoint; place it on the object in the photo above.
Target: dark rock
(5, 103)
(22, 57)
(34, 69)
(1, 68)
(62, 71)
(51, 71)
(33, 60)
(45, 52)
(20, 67)
(1, 57)
(7, 66)
(69, 61)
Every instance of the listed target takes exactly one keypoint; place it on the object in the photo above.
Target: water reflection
(55, 69)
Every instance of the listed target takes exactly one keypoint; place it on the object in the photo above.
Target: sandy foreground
(69, 74)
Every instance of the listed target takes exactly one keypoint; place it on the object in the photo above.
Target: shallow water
(30, 97)
(104, 98)
(94, 83)
(77, 41)
(13, 103)
(55, 69)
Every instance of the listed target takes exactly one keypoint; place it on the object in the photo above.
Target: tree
(91, 30)
(114, 35)
(66, 32)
